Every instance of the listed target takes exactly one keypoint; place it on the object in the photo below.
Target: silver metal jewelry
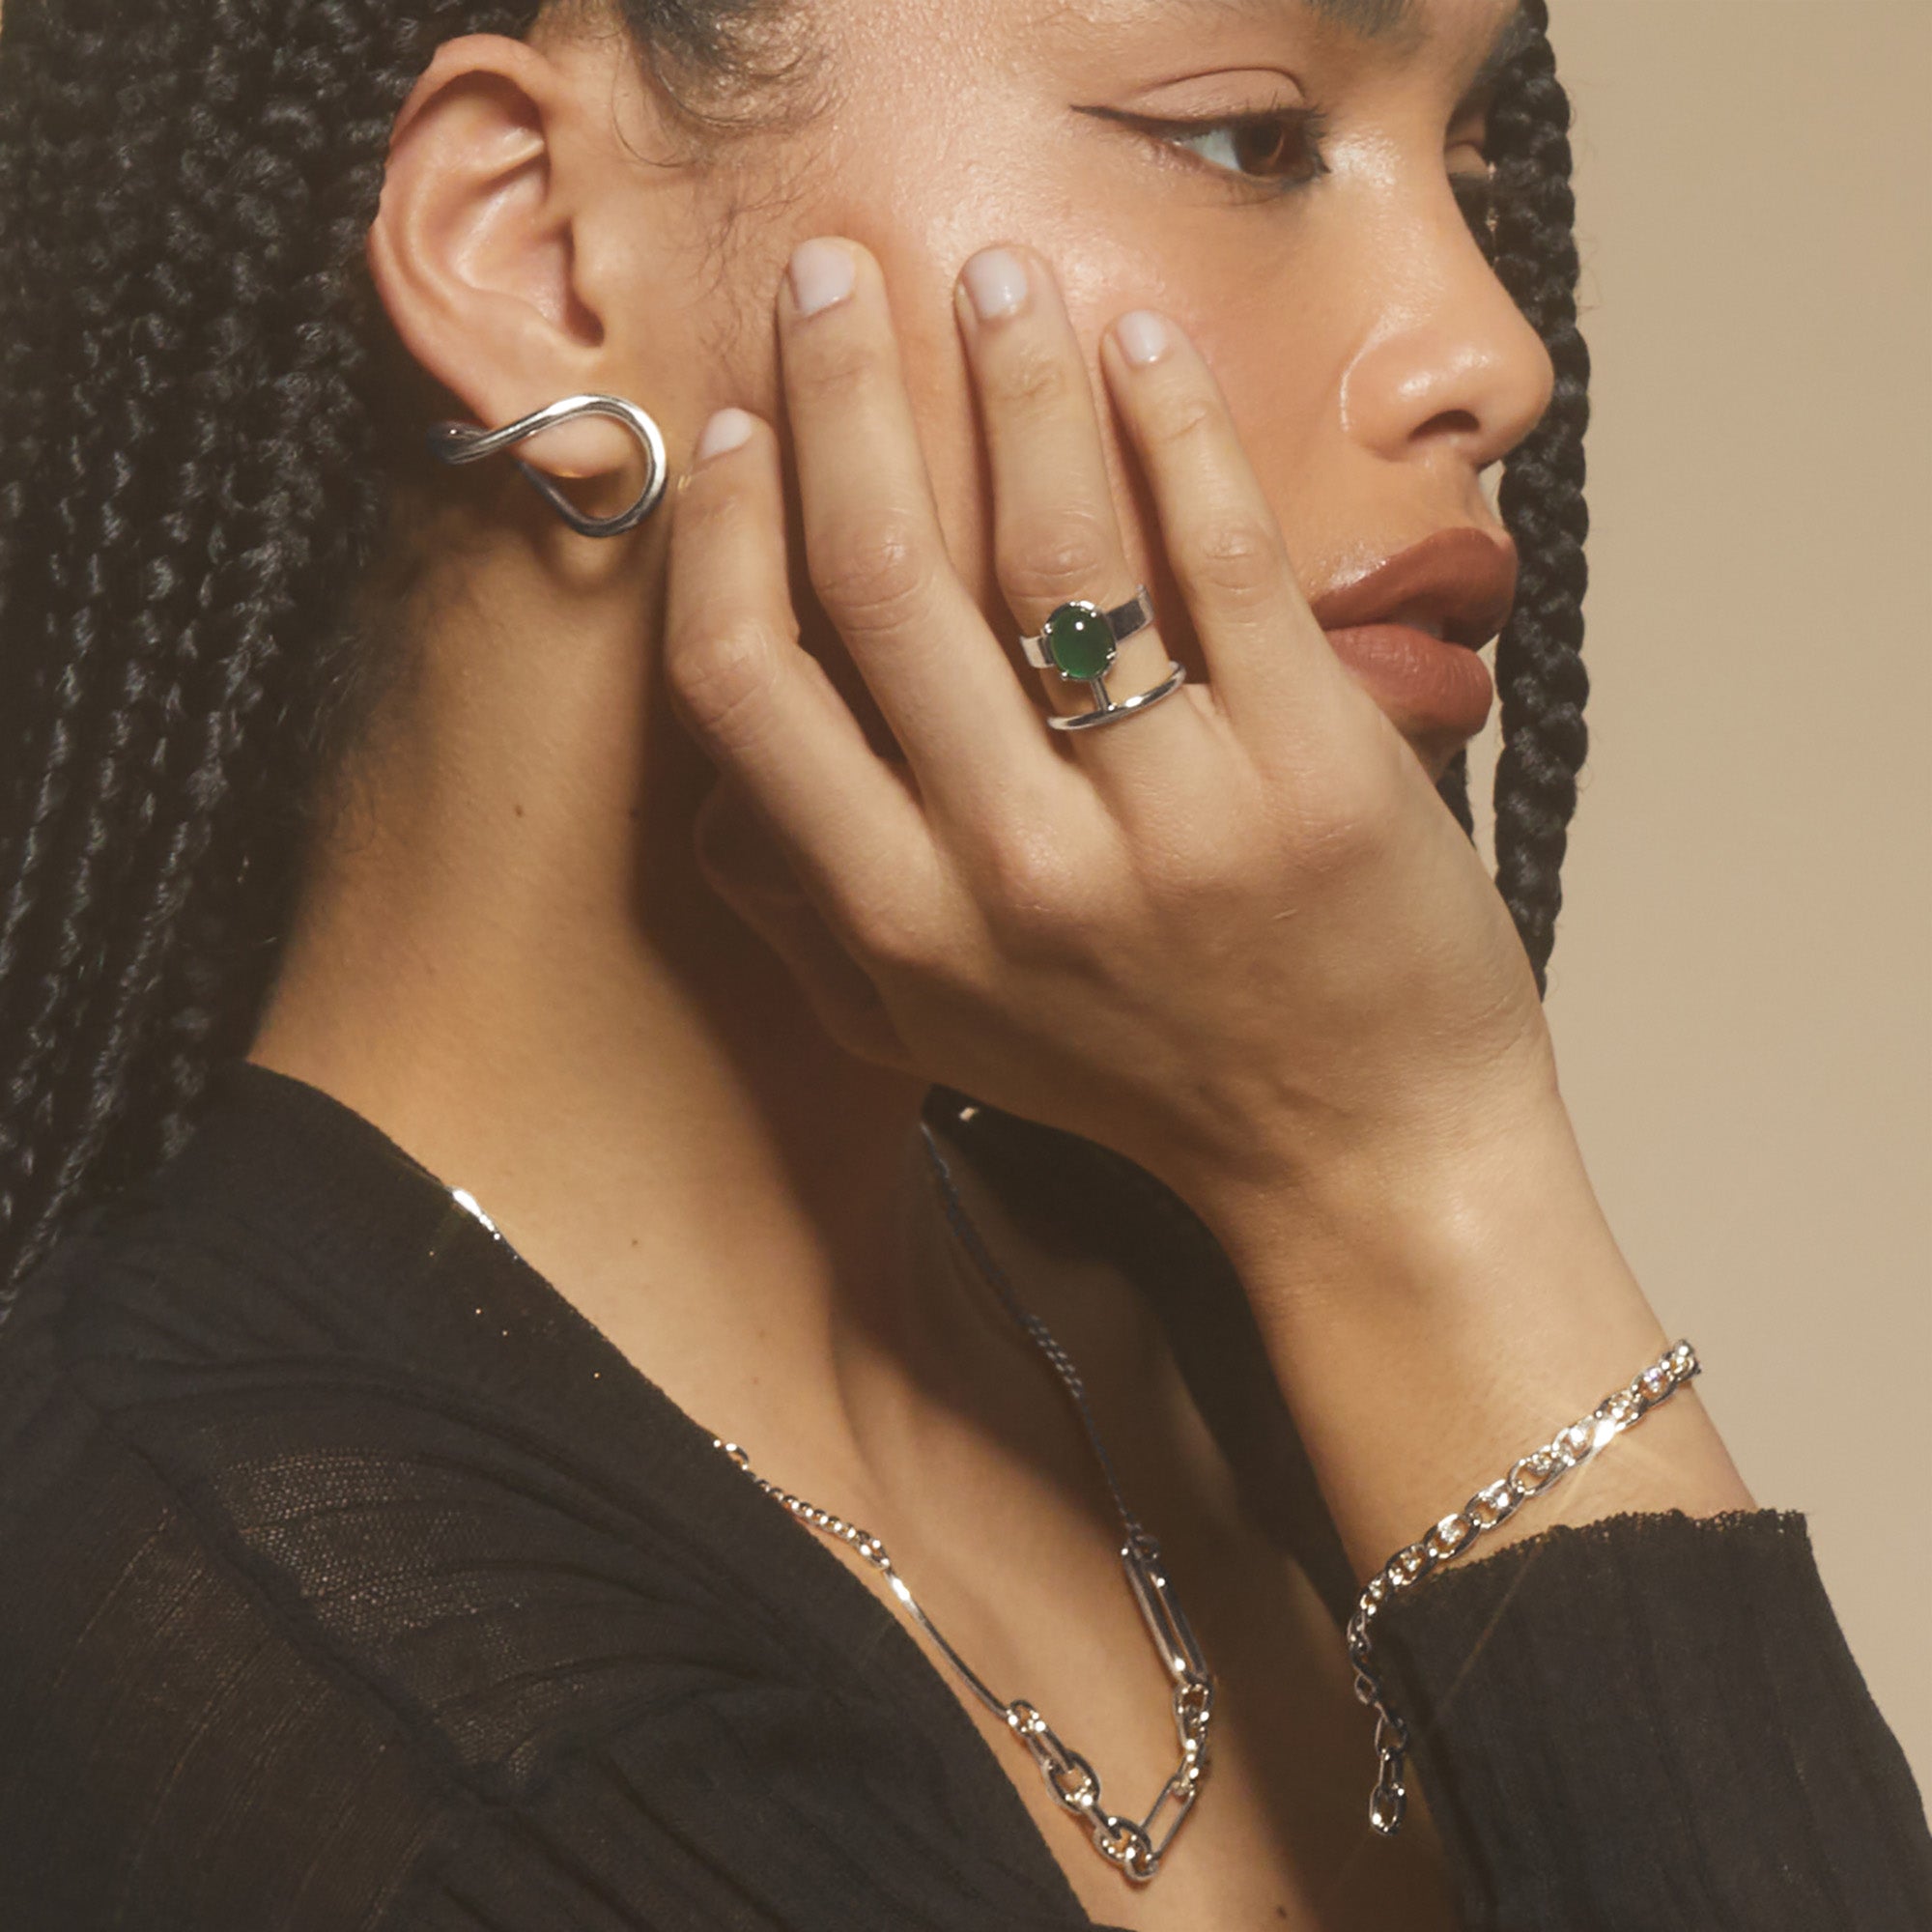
(1080, 641)
(1120, 622)
(1136, 1847)
(1531, 1475)
(466, 442)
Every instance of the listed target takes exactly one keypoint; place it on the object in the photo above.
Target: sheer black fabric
(349, 1579)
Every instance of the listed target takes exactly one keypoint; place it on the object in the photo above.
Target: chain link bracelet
(1531, 1475)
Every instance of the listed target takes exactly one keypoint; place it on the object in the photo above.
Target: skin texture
(676, 1042)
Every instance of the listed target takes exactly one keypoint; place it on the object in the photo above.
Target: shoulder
(308, 1617)
(147, 1326)
(364, 1440)
(146, 1681)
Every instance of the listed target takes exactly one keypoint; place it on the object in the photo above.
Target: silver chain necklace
(1136, 1847)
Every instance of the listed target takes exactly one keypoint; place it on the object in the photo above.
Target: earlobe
(473, 252)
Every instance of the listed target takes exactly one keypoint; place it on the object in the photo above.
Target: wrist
(1410, 1202)
(1344, 1140)
(1431, 1312)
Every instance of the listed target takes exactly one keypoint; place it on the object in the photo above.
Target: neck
(509, 963)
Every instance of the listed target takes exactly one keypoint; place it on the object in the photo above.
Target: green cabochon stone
(1079, 640)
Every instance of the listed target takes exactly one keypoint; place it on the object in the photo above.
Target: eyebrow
(1398, 22)
(1402, 20)
(1369, 19)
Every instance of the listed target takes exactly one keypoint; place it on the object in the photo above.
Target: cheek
(1283, 395)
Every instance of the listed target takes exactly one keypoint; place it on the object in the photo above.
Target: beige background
(1740, 990)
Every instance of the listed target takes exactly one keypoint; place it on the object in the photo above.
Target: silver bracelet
(1531, 1475)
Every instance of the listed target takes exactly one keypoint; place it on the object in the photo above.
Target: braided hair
(190, 422)
(1540, 674)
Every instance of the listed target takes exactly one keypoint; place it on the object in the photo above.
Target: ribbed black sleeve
(1651, 1724)
(351, 1581)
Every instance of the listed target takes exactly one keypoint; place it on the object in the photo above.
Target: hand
(1235, 937)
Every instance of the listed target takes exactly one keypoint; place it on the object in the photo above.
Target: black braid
(189, 490)
(1526, 227)
(1540, 674)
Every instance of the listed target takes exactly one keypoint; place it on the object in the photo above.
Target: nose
(1448, 367)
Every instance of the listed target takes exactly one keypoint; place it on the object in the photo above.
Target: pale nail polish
(996, 284)
(727, 430)
(822, 274)
(1143, 336)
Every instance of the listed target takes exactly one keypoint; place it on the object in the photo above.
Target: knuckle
(839, 370)
(1339, 824)
(1236, 561)
(1031, 893)
(725, 679)
(1031, 381)
(871, 575)
(1065, 558)
(891, 939)
(1192, 876)
(1183, 419)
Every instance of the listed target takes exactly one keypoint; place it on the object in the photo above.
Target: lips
(1410, 628)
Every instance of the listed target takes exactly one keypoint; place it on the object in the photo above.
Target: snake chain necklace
(1135, 1847)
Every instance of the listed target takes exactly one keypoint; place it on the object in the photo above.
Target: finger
(739, 861)
(1056, 535)
(761, 708)
(875, 552)
(1266, 657)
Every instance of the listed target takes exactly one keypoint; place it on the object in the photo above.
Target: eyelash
(1475, 194)
(1307, 127)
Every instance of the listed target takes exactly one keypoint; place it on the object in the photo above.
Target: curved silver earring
(465, 442)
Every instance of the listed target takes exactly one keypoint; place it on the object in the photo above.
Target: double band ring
(1080, 641)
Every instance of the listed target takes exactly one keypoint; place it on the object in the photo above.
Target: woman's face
(1274, 174)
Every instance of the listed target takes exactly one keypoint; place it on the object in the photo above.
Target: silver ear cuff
(465, 442)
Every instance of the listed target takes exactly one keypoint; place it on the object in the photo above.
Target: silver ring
(465, 442)
(1107, 710)
(1080, 641)
(1083, 634)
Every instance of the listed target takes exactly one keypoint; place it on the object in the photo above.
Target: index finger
(761, 705)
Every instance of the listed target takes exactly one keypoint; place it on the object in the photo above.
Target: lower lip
(1426, 685)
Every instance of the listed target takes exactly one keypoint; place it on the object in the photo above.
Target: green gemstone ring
(1080, 641)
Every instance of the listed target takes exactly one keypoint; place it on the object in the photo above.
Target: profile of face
(1283, 177)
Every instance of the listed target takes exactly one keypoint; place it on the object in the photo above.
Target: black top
(350, 1578)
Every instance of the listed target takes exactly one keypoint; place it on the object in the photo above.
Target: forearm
(1433, 1314)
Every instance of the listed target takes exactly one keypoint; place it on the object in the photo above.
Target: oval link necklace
(1135, 1846)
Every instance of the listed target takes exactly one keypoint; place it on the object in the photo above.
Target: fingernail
(727, 430)
(822, 273)
(996, 283)
(1144, 338)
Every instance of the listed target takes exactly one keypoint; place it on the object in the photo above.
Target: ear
(475, 250)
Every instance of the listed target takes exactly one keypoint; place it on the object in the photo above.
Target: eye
(1277, 148)
(1284, 146)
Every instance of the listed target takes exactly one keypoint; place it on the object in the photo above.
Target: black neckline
(365, 1212)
